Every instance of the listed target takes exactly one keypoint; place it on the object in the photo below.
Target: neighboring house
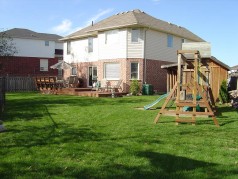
(36, 52)
(128, 45)
(233, 78)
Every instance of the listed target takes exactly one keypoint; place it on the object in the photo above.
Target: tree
(7, 46)
(223, 92)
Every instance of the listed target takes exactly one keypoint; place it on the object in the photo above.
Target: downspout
(145, 61)
(145, 58)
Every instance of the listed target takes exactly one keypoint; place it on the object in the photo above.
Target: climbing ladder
(204, 91)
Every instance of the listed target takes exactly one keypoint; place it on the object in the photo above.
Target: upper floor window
(135, 70)
(90, 44)
(47, 43)
(169, 40)
(111, 37)
(68, 47)
(135, 34)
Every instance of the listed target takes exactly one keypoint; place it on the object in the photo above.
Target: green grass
(50, 136)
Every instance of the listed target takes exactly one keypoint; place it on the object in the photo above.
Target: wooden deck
(88, 92)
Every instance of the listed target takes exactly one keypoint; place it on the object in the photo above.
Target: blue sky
(213, 20)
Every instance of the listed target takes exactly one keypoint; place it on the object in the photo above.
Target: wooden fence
(19, 84)
(2, 94)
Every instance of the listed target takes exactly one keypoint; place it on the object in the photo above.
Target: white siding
(59, 45)
(79, 51)
(115, 50)
(135, 49)
(34, 48)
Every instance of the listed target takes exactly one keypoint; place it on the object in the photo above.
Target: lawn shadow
(170, 166)
(30, 136)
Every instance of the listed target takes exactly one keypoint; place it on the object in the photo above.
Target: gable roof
(212, 58)
(234, 68)
(135, 18)
(220, 63)
(28, 34)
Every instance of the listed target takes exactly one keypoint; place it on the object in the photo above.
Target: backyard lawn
(54, 136)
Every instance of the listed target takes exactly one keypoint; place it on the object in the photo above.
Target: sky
(215, 21)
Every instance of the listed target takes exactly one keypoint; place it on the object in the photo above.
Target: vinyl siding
(156, 46)
(34, 48)
(135, 49)
(79, 51)
(59, 45)
(112, 50)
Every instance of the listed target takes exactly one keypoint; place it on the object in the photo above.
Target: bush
(223, 92)
(134, 88)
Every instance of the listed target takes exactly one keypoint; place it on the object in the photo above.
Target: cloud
(64, 27)
(97, 16)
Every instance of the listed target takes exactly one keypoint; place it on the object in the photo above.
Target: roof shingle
(135, 18)
(28, 34)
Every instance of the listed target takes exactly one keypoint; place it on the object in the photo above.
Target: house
(233, 78)
(128, 45)
(36, 52)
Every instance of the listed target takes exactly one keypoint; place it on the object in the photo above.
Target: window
(47, 43)
(135, 34)
(135, 70)
(169, 40)
(68, 47)
(112, 71)
(60, 71)
(183, 40)
(74, 71)
(90, 44)
(111, 37)
(43, 64)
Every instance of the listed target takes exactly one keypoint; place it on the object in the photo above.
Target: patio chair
(72, 82)
(103, 85)
(116, 87)
(38, 83)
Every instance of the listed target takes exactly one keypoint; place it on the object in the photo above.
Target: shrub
(134, 88)
(223, 92)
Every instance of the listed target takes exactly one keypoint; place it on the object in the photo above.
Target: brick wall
(155, 75)
(24, 66)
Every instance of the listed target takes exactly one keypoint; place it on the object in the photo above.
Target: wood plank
(185, 120)
(165, 103)
(189, 113)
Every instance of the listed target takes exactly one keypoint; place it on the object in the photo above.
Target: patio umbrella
(61, 65)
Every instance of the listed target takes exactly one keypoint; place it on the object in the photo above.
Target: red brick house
(128, 45)
(36, 52)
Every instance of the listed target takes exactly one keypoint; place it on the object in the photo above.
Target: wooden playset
(192, 92)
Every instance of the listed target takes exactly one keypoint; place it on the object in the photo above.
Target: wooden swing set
(192, 92)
